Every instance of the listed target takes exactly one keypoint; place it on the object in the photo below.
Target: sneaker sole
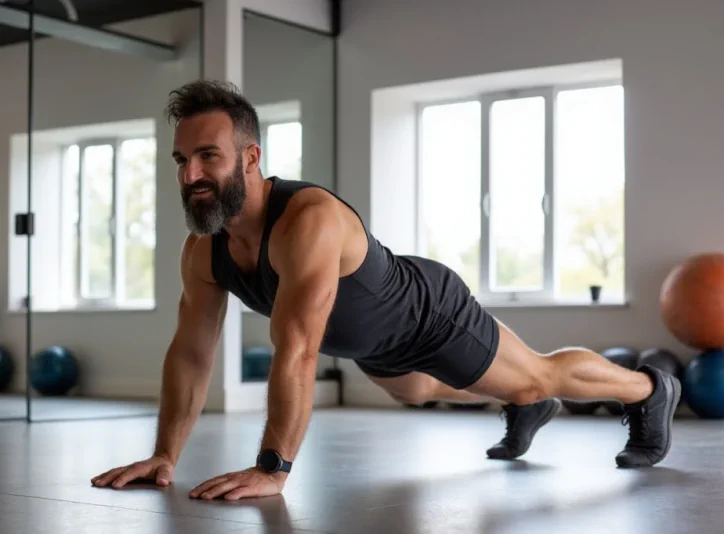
(671, 384)
(676, 385)
(554, 409)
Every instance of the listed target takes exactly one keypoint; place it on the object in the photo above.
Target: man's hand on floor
(157, 469)
(251, 482)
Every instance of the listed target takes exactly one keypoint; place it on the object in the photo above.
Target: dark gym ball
(664, 360)
(627, 357)
(581, 407)
(54, 371)
(704, 384)
(429, 405)
(467, 406)
(7, 368)
(256, 364)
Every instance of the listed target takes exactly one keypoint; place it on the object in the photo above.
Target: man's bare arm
(186, 371)
(189, 360)
(307, 259)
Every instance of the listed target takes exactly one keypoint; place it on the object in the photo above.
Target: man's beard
(207, 216)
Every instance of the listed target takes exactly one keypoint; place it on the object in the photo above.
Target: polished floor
(367, 471)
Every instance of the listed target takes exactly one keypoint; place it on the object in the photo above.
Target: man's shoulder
(311, 205)
(309, 220)
(310, 217)
(196, 257)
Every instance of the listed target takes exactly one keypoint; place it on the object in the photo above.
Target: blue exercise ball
(54, 371)
(256, 363)
(704, 384)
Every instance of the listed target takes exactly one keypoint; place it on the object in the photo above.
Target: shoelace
(638, 431)
(508, 414)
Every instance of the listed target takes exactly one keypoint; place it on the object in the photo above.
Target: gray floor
(62, 408)
(12, 406)
(397, 471)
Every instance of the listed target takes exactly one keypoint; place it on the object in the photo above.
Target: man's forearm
(290, 402)
(183, 395)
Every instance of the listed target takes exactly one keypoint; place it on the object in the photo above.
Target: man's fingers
(198, 490)
(239, 493)
(104, 476)
(136, 471)
(164, 475)
(221, 489)
(108, 476)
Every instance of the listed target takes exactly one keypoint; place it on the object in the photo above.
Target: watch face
(269, 461)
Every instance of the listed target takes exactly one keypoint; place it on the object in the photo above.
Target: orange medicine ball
(692, 301)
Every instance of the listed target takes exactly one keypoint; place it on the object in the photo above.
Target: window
(108, 221)
(93, 197)
(450, 188)
(282, 152)
(522, 193)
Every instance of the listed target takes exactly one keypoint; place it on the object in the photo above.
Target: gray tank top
(378, 309)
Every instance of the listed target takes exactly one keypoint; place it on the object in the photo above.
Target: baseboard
(130, 388)
(112, 388)
(246, 397)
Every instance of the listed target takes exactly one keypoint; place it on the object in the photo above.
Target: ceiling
(91, 12)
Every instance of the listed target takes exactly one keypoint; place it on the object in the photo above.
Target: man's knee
(418, 391)
(535, 386)
(416, 395)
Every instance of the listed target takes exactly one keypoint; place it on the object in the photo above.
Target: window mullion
(485, 197)
(116, 253)
(420, 247)
(80, 249)
(549, 195)
(264, 130)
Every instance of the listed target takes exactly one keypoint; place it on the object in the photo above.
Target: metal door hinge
(24, 224)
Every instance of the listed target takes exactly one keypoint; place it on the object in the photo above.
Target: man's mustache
(197, 186)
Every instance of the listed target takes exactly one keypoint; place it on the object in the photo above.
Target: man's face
(211, 171)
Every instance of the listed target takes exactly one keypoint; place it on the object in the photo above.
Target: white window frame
(116, 224)
(550, 93)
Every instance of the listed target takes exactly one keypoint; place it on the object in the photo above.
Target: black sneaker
(650, 422)
(522, 423)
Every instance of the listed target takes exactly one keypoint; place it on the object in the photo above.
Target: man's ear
(252, 158)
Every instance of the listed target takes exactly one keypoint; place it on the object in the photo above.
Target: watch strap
(286, 466)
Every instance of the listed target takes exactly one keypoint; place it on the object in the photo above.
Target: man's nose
(193, 172)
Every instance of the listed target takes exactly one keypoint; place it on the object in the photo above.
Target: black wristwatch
(270, 461)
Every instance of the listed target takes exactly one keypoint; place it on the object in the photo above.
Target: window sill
(555, 304)
(86, 309)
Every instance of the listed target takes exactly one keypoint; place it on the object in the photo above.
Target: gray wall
(671, 53)
(282, 63)
(121, 351)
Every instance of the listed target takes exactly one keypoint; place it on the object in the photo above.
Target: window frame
(486, 99)
(116, 298)
(546, 291)
(112, 222)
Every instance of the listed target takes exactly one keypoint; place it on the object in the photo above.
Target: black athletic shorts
(456, 342)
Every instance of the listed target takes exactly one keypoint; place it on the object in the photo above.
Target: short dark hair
(203, 96)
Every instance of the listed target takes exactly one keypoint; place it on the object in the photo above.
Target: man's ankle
(644, 389)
